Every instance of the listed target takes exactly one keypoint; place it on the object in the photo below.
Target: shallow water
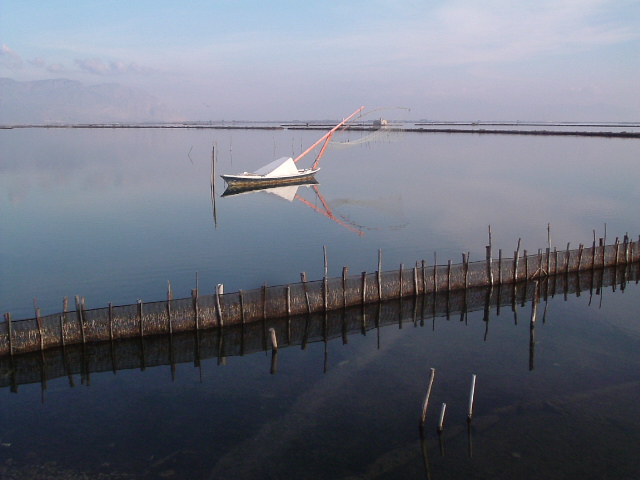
(112, 215)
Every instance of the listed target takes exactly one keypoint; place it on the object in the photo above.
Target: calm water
(112, 215)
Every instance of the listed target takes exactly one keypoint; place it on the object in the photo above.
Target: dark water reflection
(112, 215)
(338, 409)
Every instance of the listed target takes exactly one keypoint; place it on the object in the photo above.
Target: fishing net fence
(201, 312)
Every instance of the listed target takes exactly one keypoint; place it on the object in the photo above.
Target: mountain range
(62, 100)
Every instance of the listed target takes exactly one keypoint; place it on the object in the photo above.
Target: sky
(521, 60)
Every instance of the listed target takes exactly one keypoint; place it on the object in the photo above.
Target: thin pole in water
(441, 421)
(425, 404)
(471, 395)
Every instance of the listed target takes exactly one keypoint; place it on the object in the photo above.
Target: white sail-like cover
(283, 167)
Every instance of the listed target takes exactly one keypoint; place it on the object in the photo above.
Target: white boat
(284, 170)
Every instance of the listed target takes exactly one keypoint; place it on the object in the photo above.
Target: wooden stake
(516, 262)
(140, 317)
(425, 404)
(441, 421)
(415, 280)
(401, 269)
(274, 340)
(379, 274)
(345, 273)
(169, 300)
(219, 308)
(35, 306)
(288, 300)
(7, 320)
(364, 288)
(435, 273)
(471, 395)
(326, 265)
(241, 295)
(264, 301)
(80, 317)
(62, 340)
(111, 321)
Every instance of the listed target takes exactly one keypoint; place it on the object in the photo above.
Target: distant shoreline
(418, 128)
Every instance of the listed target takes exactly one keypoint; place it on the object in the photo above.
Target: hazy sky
(235, 59)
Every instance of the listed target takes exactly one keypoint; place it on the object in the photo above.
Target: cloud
(99, 67)
(38, 62)
(9, 58)
(56, 68)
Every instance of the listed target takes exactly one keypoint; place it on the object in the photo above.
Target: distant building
(380, 122)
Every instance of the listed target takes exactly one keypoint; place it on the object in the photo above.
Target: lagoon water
(113, 214)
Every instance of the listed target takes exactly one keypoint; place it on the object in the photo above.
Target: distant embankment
(418, 128)
(201, 312)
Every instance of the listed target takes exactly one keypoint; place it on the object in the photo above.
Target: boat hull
(257, 181)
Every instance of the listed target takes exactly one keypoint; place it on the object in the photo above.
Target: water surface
(112, 215)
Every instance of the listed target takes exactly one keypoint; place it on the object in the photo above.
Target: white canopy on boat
(278, 168)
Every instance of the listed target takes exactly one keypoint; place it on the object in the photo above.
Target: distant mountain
(68, 101)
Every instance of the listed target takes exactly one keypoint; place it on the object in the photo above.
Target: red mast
(326, 137)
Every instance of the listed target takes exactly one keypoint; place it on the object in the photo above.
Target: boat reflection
(291, 193)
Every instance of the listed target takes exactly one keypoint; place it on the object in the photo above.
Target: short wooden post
(435, 272)
(401, 279)
(471, 395)
(516, 257)
(140, 317)
(415, 280)
(303, 277)
(364, 288)
(7, 320)
(441, 420)
(219, 308)
(448, 275)
(39, 323)
(62, 339)
(490, 258)
(345, 274)
(169, 300)
(264, 301)
(288, 300)
(80, 318)
(500, 267)
(425, 404)
(111, 321)
(580, 249)
(465, 261)
(194, 300)
(274, 340)
(379, 275)
(241, 295)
